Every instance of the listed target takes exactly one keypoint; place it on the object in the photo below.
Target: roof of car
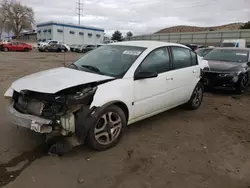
(233, 48)
(206, 48)
(146, 44)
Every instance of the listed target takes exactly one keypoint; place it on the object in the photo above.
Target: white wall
(68, 38)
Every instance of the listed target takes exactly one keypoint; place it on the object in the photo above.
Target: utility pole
(79, 9)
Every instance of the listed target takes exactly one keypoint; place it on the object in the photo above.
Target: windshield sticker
(131, 52)
(241, 54)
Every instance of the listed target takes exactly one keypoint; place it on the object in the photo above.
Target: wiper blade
(92, 68)
(75, 66)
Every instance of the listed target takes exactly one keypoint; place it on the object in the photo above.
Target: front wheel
(6, 49)
(196, 98)
(242, 84)
(108, 129)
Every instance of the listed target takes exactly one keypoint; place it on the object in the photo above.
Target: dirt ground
(209, 147)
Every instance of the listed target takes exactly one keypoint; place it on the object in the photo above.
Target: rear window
(228, 55)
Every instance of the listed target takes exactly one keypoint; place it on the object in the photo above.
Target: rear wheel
(108, 129)
(196, 98)
(6, 49)
(242, 84)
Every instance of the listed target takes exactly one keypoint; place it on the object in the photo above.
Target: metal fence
(205, 38)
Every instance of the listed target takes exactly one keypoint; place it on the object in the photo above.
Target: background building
(213, 38)
(69, 33)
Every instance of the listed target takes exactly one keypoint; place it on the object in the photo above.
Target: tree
(246, 26)
(3, 16)
(129, 34)
(18, 17)
(117, 35)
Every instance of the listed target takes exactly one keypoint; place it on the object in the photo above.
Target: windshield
(228, 55)
(110, 60)
(200, 52)
(228, 44)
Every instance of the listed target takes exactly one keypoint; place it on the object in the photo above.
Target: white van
(237, 43)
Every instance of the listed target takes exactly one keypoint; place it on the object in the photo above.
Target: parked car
(85, 48)
(15, 46)
(203, 51)
(237, 43)
(65, 45)
(53, 48)
(73, 47)
(98, 95)
(79, 48)
(4, 41)
(228, 68)
(47, 42)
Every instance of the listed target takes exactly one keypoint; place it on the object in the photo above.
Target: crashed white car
(115, 85)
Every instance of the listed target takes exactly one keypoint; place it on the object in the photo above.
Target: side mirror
(144, 75)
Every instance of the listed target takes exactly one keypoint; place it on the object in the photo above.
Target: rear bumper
(35, 123)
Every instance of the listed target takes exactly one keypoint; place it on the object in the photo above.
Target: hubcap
(197, 96)
(108, 128)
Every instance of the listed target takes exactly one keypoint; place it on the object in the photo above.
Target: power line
(79, 10)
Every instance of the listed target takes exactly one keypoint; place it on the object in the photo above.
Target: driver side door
(153, 95)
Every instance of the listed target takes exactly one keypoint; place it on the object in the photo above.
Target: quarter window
(157, 61)
(194, 60)
(181, 57)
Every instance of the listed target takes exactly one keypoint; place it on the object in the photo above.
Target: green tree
(246, 26)
(18, 17)
(117, 35)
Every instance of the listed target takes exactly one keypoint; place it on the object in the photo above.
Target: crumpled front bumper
(35, 123)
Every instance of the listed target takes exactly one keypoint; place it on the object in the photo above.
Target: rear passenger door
(185, 73)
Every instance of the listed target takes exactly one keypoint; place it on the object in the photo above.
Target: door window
(181, 57)
(157, 61)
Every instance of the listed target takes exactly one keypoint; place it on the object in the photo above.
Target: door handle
(169, 78)
(194, 71)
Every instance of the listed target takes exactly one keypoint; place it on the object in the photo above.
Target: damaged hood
(54, 80)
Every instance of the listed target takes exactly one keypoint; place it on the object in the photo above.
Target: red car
(15, 46)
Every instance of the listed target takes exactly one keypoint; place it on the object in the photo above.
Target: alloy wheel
(108, 128)
(197, 96)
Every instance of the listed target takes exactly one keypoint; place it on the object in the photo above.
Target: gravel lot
(209, 147)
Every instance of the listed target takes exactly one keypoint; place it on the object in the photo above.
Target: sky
(142, 16)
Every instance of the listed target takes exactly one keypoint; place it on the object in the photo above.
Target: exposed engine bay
(60, 108)
(53, 106)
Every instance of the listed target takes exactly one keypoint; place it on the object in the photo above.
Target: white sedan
(115, 85)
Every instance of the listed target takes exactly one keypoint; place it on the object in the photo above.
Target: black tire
(26, 49)
(196, 98)
(91, 139)
(242, 84)
(6, 49)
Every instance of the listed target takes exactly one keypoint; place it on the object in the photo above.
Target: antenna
(79, 9)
